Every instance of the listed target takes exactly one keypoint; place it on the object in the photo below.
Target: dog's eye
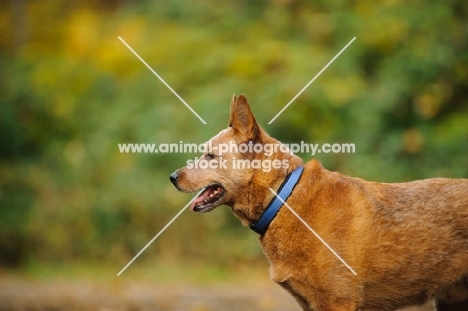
(210, 155)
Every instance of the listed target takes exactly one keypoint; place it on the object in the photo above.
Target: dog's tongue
(200, 198)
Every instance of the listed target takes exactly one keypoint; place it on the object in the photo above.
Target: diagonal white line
(315, 233)
(160, 232)
(162, 80)
(313, 79)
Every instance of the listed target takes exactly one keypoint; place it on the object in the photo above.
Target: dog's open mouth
(208, 199)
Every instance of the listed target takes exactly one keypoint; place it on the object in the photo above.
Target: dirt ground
(30, 295)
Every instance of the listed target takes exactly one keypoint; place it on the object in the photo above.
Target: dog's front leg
(349, 306)
(429, 306)
(307, 305)
(299, 298)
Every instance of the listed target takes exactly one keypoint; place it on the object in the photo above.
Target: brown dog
(407, 242)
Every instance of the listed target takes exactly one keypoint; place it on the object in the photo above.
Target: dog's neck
(257, 193)
(281, 195)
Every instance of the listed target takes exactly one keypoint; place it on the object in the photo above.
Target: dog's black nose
(174, 177)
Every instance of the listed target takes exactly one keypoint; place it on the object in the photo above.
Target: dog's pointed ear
(233, 108)
(242, 119)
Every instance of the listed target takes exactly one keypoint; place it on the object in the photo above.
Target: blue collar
(275, 204)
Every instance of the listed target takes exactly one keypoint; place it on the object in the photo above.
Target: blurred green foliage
(71, 91)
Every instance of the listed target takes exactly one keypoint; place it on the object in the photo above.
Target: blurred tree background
(70, 91)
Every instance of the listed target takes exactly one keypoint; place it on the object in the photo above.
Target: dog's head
(237, 167)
